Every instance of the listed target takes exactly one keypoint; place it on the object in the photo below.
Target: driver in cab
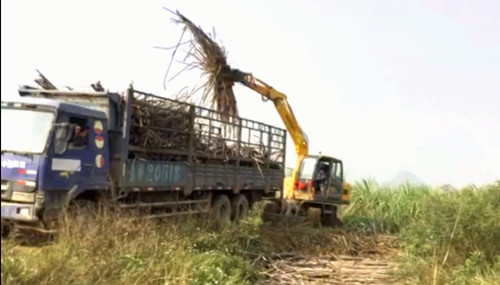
(320, 179)
(80, 136)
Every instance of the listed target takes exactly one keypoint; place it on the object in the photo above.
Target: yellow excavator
(317, 180)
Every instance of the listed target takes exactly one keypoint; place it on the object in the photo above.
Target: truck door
(335, 185)
(75, 166)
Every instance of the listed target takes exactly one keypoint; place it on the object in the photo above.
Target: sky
(386, 86)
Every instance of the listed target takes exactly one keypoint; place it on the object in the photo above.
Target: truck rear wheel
(239, 207)
(221, 209)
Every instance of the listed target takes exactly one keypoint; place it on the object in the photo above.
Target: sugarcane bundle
(159, 124)
(205, 54)
(211, 59)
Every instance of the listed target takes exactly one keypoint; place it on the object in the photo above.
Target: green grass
(115, 251)
(447, 238)
(444, 238)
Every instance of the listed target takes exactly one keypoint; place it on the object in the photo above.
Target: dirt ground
(331, 257)
(331, 269)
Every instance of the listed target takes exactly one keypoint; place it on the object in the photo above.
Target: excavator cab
(320, 178)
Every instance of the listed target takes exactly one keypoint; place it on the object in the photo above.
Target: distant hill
(405, 176)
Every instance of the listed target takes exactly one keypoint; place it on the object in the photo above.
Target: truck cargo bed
(175, 145)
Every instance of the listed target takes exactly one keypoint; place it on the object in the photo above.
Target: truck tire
(329, 217)
(221, 210)
(6, 229)
(82, 211)
(239, 207)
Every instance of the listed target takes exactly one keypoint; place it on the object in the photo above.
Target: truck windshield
(25, 131)
(307, 168)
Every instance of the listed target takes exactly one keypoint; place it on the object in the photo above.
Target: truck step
(164, 215)
(163, 204)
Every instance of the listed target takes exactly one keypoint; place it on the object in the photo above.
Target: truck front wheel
(6, 229)
(239, 207)
(81, 211)
(221, 209)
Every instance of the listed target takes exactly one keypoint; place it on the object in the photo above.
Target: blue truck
(62, 149)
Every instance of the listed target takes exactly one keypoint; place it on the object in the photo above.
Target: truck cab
(43, 167)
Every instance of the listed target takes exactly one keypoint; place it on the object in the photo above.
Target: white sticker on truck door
(63, 164)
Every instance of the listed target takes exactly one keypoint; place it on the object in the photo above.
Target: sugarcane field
(198, 142)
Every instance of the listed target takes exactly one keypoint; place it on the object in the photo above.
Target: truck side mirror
(62, 137)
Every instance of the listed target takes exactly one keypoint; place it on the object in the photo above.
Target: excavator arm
(286, 113)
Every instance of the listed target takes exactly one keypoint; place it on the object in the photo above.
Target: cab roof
(59, 105)
(319, 157)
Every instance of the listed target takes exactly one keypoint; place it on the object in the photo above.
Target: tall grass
(111, 251)
(384, 209)
(444, 238)
(448, 238)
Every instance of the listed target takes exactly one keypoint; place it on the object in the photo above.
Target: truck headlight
(24, 211)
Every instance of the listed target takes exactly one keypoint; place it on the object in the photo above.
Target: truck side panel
(169, 175)
(165, 174)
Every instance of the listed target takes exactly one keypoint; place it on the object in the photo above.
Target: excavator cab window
(306, 175)
(307, 168)
(321, 177)
(336, 173)
(315, 173)
(336, 178)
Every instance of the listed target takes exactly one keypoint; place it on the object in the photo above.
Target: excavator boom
(325, 191)
(280, 101)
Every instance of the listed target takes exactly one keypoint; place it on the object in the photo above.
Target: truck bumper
(19, 212)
